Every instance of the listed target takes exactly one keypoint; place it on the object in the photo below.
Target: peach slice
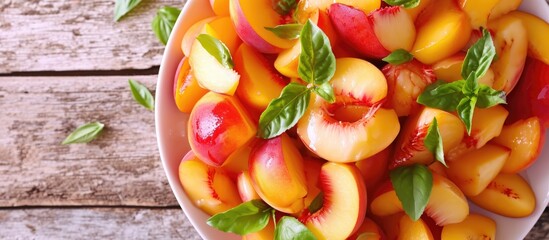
(410, 229)
(394, 28)
(312, 171)
(369, 230)
(525, 138)
(473, 171)
(210, 73)
(507, 195)
(503, 7)
(475, 226)
(374, 168)
(511, 45)
(218, 126)
(209, 188)
(191, 34)
(237, 162)
(220, 7)
(438, 168)
(538, 33)
(259, 81)
(276, 170)
(344, 202)
(223, 29)
(478, 11)
(287, 61)
(365, 6)
(250, 19)
(449, 70)
(390, 225)
(405, 83)
(186, 89)
(419, 9)
(487, 124)
(358, 80)
(245, 187)
(410, 148)
(445, 30)
(357, 30)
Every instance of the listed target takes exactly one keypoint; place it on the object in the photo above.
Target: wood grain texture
(121, 167)
(96, 223)
(52, 35)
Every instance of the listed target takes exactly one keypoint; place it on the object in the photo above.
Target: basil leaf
(404, 3)
(163, 23)
(316, 204)
(286, 31)
(471, 87)
(465, 111)
(433, 142)
(85, 133)
(248, 217)
(479, 57)
(141, 94)
(316, 61)
(122, 7)
(217, 49)
(442, 95)
(289, 228)
(488, 97)
(325, 91)
(398, 57)
(413, 185)
(284, 112)
(283, 7)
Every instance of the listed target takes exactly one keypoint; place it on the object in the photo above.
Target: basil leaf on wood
(286, 31)
(441, 95)
(488, 97)
(248, 217)
(433, 141)
(465, 111)
(413, 185)
(122, 7)
(289, 228)
(284, 7)
(163, 23)
(317, 61)
(479, 57)
(217, 49)
(404, 3)
(141, 94)
(284, 111)
(398, 57)
(85, 133)
(325, 91)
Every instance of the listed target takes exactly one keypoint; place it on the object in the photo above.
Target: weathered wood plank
(51, 35)
(121, 167)
(96, 223)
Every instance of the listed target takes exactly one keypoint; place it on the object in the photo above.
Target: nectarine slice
(538, 33)
(475, 226)
(187, 91)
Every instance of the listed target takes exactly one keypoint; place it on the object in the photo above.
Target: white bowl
(172, 141)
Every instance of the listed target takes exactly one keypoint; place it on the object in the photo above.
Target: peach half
(344, 202)
(339, 139)
(449, 70)
(218, 126)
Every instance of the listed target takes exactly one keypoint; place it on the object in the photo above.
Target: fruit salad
(346, 119)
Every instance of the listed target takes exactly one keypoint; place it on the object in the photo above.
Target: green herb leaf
(289, 228)
(398, 57)
(248, 217)
(163, 23)
(465, 111)
(85, 133)
(284, 112)
(479, 57)
(488, 97)
(316, 204)
(441, 95)
(325, 91)
(286, 31)
(284, 7)
(404, 3)
(316, 61)
(122, 7)
(141, 94)
(217, 49)
(433, 141)
(413, 185)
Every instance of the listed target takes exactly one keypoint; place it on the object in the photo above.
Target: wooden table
(65, 63)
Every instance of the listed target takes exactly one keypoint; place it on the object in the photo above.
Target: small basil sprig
(413, 185)
(316, 67)
(404, 3)
(286, 31)
(217, 49)
(163, 23)
(122, 7)
(141, 94)
(316, 204)
(248, 217)
(289, 228)
(464, 95)
(398, 57)
(284, 7)
(85, 133)
(433, 141)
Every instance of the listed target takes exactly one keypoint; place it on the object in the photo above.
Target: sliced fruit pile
(344, 119)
